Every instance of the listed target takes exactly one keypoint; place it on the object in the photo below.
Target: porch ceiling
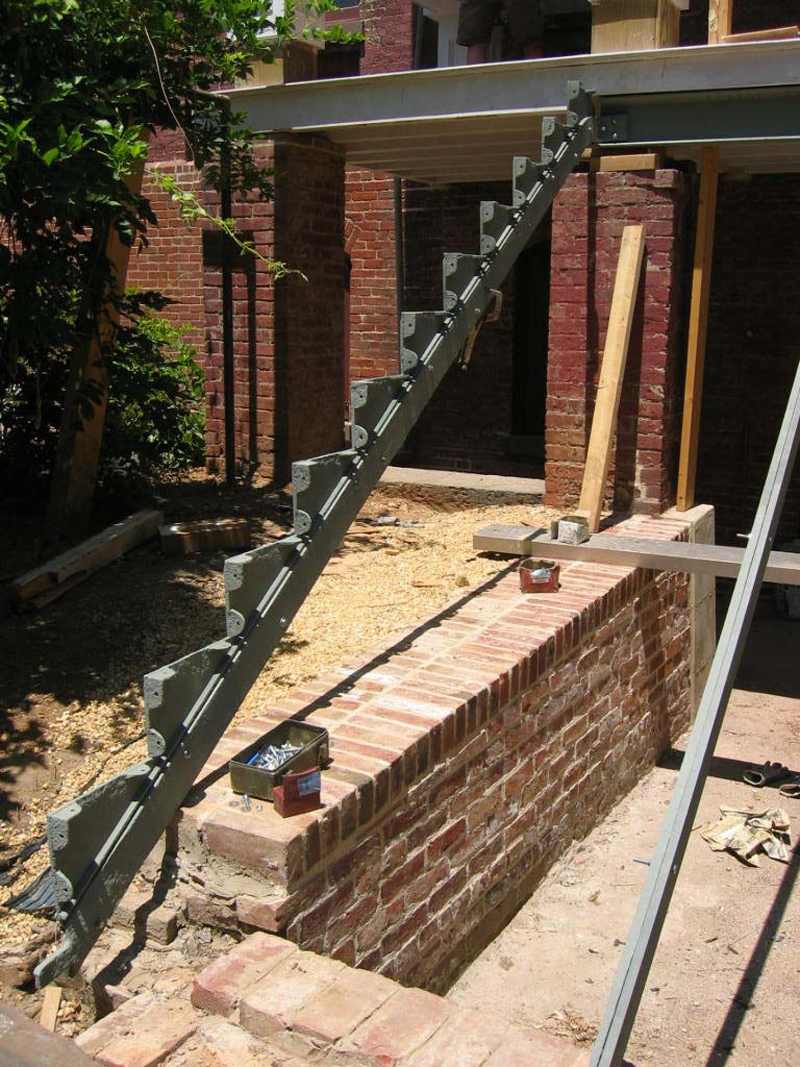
(464, 124)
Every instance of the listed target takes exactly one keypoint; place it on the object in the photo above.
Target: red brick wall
(172, 262)
(466, 759)
(289, 333)
(370, 242)
(752, 353)
(389, 30)
(589, 215)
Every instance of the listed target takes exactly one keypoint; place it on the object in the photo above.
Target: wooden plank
(720, 20)
(721, 561)
(698, 327)
(598, 455)
(779, 33)
(50, 1006)
(61, 572)
(640, 161)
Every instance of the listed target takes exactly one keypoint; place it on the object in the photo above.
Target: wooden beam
(39, 586)
(778, 33)
(720, 20)
(720, 561)
(640, 161)
(609, 390)
(698, 326)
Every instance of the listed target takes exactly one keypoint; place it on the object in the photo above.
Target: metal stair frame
(190, 702)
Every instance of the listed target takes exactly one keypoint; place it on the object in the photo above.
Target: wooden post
(698, 327)
(86, 399)
(598, 456)
(720, 20)
(633, 25)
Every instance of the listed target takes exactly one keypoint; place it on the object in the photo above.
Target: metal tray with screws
(293, 746)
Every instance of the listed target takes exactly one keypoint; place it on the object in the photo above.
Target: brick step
(313, 1006)
(267, 1003)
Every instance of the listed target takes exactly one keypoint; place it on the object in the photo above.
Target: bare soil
(725, 982)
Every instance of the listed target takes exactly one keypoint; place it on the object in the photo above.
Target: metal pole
(226, 206)
(642, 940)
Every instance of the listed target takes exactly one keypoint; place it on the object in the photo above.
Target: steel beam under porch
(459, 124)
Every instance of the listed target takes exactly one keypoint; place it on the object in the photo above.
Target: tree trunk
(86, 399)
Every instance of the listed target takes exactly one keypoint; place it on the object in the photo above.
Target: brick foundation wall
(752, 351)
(467, 758)
(589, 215)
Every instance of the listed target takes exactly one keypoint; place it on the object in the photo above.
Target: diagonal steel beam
(642, 940)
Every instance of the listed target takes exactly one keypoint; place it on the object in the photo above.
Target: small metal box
(258, 781)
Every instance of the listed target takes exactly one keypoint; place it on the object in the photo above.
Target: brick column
(589, 216)
(389, 30)
(289, 333)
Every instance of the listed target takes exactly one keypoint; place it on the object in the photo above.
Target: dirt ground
(725, 982)
(70, 675)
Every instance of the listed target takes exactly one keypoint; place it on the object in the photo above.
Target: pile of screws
(274, 756)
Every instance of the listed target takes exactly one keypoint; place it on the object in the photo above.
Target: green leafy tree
(81, 83)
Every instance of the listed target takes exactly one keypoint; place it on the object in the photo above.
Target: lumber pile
(50, 580)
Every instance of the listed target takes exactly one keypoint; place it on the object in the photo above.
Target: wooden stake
(598, 456)
(50, 1006)
(720, 20)
(698, 327)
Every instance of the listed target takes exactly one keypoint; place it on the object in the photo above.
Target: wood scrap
(204, 535)
(50, 1006)
(50, 580)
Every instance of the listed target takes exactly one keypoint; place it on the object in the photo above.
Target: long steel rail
(645, 931)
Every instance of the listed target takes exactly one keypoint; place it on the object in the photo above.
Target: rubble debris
(746, 832)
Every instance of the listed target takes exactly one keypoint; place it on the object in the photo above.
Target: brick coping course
(270, 1004)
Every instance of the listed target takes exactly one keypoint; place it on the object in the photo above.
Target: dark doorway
(531, 314)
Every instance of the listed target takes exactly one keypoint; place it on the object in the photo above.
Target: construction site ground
(71, 712)
(725, 982)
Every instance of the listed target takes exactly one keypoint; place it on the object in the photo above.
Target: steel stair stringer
(100, 840)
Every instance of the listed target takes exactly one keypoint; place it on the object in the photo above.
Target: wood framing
(698, 327)
(720, 20)
(778, 33)
(634, 25)
(612, 370)
(719, 561)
